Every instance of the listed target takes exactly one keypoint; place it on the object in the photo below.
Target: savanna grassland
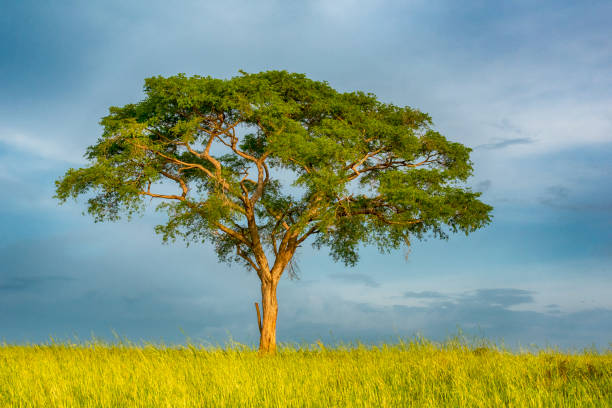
(410, 373)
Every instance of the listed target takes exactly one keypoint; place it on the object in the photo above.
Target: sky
(527, 85)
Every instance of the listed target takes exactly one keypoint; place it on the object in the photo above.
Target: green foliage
(359, 170)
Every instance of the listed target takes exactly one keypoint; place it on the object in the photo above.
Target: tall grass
(410, 373)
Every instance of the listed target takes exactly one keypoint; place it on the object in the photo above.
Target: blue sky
(526, 84)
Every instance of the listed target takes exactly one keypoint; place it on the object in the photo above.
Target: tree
(262, 162)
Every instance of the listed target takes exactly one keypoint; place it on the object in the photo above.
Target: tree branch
(308, 171)
(178, 180)
(234, 234)
(273, 240)
(263, 177)
(245, 256)
(353, 165)
(222, 181)
(168, 196)
(311, 231)
(206, 155)
(385, 164)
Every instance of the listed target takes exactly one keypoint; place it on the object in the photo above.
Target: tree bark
(267, 340)
(269, 281)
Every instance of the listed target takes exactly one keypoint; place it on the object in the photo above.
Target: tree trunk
(267, 340)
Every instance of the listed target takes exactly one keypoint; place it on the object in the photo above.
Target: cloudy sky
(527, 85)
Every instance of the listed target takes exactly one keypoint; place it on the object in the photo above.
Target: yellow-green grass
(410, 373)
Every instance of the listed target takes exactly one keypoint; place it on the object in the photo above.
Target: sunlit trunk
(267, 340)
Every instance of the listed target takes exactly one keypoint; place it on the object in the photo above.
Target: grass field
(410, 373)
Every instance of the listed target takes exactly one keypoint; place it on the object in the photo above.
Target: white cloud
(527, 102)
(41, 148)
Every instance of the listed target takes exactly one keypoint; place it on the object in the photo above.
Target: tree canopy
(258, 163)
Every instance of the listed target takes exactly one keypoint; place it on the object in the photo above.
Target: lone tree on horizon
(261, 162)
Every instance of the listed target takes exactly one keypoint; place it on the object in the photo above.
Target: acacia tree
(355, 171)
